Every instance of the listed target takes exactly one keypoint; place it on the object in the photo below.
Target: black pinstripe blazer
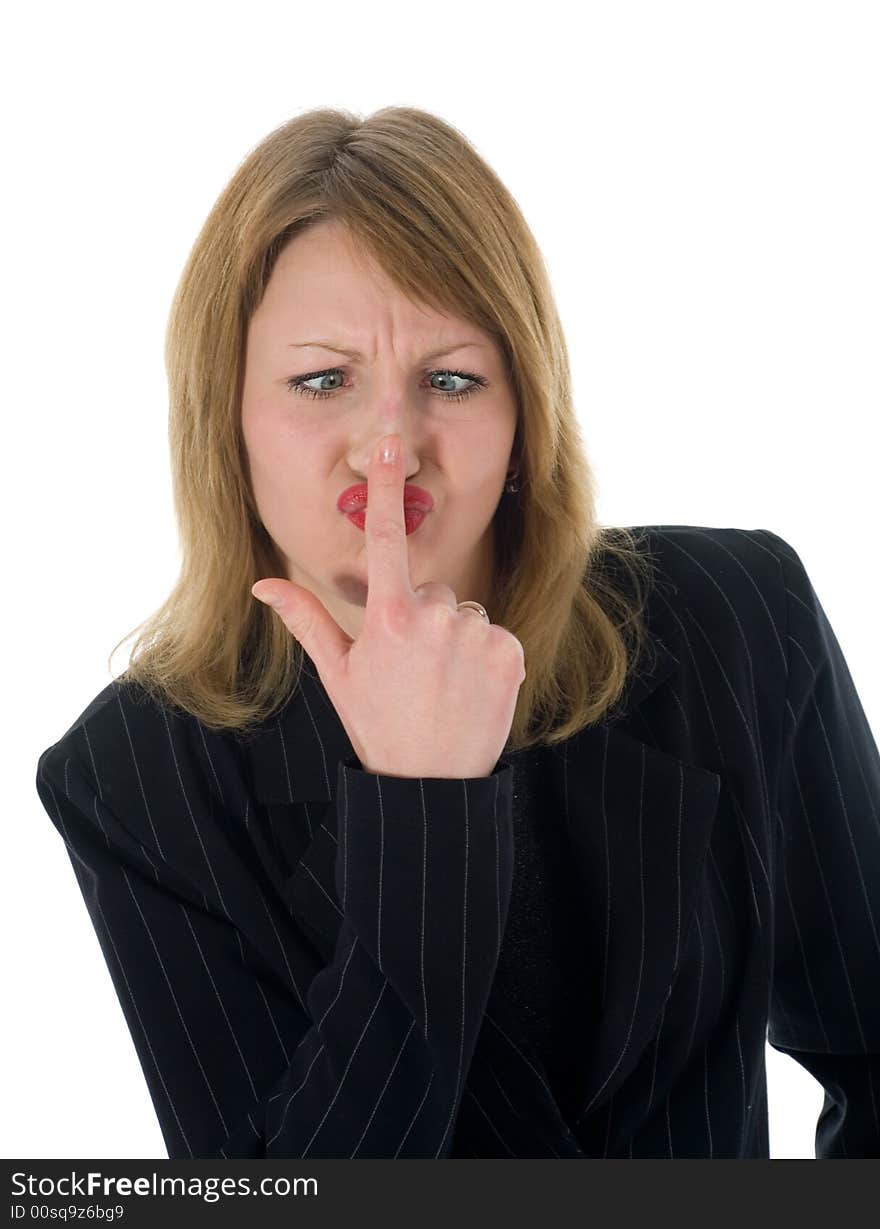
(305, 953)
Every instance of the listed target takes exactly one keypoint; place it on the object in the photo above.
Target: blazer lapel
(639, 822)
(293, 763)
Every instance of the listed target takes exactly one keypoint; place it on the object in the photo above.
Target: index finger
(385, 525)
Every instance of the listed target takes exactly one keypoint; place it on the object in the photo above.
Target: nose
(412, 445)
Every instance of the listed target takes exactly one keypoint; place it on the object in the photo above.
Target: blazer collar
(635, 814)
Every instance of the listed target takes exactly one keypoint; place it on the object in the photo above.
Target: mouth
(415, 498)
(412, 515)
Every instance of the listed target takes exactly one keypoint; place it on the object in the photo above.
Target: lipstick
(415, 498)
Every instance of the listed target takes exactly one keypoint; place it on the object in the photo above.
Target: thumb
(308, 619)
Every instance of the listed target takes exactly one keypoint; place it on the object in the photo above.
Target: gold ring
(474, 606)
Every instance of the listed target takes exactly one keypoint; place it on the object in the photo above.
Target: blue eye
(297, 384)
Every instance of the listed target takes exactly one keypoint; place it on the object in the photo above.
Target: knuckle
(301, 627)
(396, 613)
(434, 616)
(444, 593)
(436, 599)
(507, 648)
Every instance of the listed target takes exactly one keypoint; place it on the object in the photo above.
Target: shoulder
(126, 746)
(701, 557)
(726, 573)
(719, 601)
(106, 723)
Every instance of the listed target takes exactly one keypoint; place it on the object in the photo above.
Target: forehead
(324, 286)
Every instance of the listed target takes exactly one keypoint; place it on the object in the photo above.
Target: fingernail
(389, 450)
(270, 599)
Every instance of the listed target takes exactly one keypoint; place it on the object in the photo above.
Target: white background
(703, 181)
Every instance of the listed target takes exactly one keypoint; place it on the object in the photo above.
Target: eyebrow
(329, 345)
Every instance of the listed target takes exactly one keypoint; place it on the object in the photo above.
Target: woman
(486, 831)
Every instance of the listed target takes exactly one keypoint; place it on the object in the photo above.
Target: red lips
(354, 498)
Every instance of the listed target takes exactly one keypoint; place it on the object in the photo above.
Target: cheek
(260, 442)
(271, 446)
(286, 473)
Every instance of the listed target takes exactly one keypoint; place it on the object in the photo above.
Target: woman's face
(303, 452)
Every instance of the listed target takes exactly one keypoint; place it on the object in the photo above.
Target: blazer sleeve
(370, 1058)
(825, 1000)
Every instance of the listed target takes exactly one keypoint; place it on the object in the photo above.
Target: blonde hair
(420, 200)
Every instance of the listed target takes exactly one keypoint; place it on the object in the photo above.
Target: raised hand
(425, 690)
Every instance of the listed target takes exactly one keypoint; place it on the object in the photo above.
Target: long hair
(419, 199)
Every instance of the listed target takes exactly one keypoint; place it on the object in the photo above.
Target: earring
(511, 486)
